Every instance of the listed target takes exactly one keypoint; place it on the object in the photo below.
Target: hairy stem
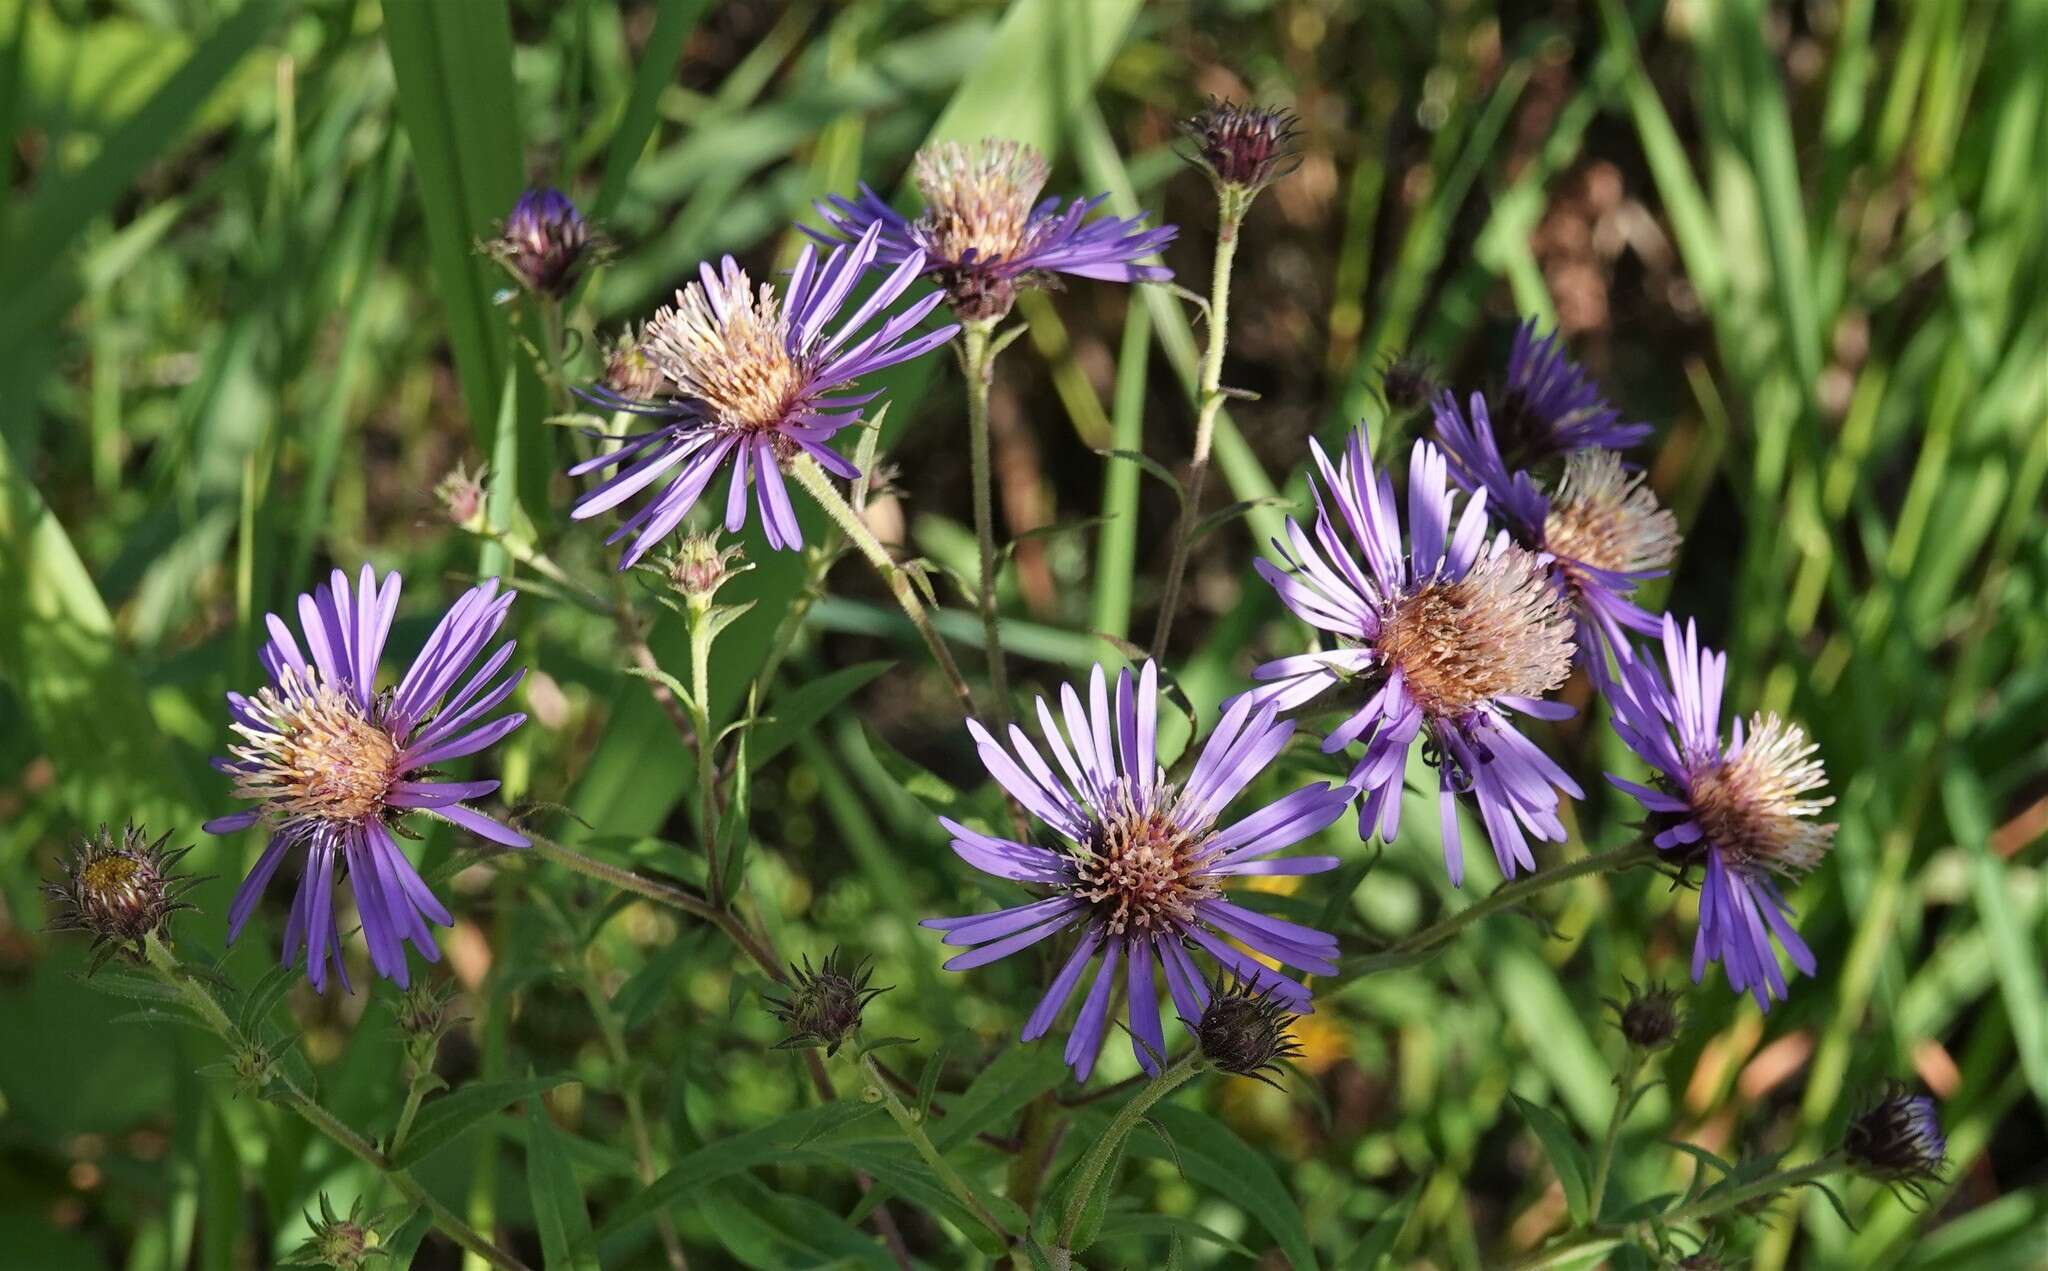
(907, 1121)
(1089, 1174)
(819, 486)
(978, 361)
(1422, 944)
(707, 761)
(1577, 1244)
(165, 964)
(1624, 1094)
(1230, 205)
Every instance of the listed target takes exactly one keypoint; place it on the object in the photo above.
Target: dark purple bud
(1246, 147)
(1650, 1018)
(546, 244)
(1898, 1140)
(823, 1007)
(1244, 1030)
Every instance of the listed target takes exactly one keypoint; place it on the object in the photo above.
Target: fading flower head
(985, 233)
(629, 374)
(1738, 810)
(331, 764)
(1243, 147)
(1141, 866)
(545, 243)
(1441, 639)
(120, 890)
(1600, 528)
(759, 380)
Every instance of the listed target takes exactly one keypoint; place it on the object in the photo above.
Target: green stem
(819, 486)
(165, 964)
(1230, 205)
(1578, 1244)
(1089, 1175)
(1625, 1089)
(1422, 944)
(977, 360)
(707, 761)
(614, 1034)
(415, 1090)
(907, 1121)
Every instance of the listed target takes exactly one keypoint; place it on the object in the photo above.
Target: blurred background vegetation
(243, 331)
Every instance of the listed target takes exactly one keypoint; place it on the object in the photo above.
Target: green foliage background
(243, 329)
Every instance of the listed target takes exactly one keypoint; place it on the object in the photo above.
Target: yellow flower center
(1143, 869)
(319, 758)
(728, 347)
(978, 198)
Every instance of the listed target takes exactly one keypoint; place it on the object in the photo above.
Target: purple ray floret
(1438, 639)
(1549, 408)
(332, 763)
(1599, 527)
(758, 381)
(1141, 866)
(1736, 811)
(985, 232)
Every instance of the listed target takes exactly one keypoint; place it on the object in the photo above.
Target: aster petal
(1005, 859)
(251, 890)
(1141, 999)
(1062, 987)
(980, 928)
(482, 826)
(1086, 1041)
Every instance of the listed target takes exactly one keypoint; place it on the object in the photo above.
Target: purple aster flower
(545, 243)
(1550, 408)
(985, 234)
(1442, 639)
(759, 379)
(1601, 529)
(332, 763)
(1735, 810)
(1142, 865)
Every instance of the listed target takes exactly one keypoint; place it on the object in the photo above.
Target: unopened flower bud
(545, 243)
(1898, 1140)
(1650, 1018)
(1244, 1030)
(343, 1244)
(462, 495)
(1407, 383)
(699, 567)
(1243, 147)
(630, 373)
(823, 1007)
(120, 891)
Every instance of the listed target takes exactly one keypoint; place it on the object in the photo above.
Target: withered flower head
(1650, 1019)
(119, 890)
(1243, 147)
(1898, 1140)
(823, 1007)
(1244, 1030)
(343, 1244)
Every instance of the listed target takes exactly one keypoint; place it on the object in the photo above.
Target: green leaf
(1171, 1225)
(1567, 1159)
(800, 710)
(771, 1142)
(1096, 1203)
(1385, 1234)
(1153, 467)
(2015, 950)
(447, 1118)
(558, 1210)
(1220, 1161)
(673, 23)
(1014, 1078)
